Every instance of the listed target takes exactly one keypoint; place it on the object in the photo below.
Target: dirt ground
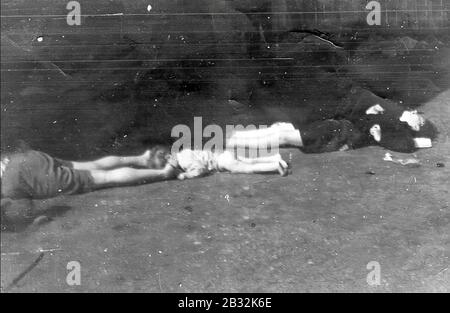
(314, 231)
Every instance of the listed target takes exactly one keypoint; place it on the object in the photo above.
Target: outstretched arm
(112, 162)
(240, 167)
(130, 176)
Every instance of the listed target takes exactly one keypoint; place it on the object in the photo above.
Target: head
(413, 119)
(159, 155)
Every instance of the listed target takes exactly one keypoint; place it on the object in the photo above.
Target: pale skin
(128, 170)
(271, 164)
(240, 167)
(257, 165)
(277, 135)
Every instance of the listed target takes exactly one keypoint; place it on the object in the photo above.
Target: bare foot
(146, 159)
(282, 169)
(283, 163)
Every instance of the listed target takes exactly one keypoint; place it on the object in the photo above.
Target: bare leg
(239, 167)
(269, 140)
(131, 176)
(111, 162)
(269, 159)
(273, 136)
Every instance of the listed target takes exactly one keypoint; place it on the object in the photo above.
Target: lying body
(37, 175)
(198, 163)
(319, 137)
(364, 120)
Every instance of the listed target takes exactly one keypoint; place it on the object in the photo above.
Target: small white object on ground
(149, 8)
(408, 162)
(423, 143)
(387, 157)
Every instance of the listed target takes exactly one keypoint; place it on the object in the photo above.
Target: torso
(188, 159)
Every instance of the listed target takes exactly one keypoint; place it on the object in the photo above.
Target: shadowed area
(126, 76)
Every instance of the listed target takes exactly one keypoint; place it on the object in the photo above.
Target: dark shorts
(37, 175)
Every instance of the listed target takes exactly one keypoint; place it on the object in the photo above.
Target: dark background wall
(79, 91)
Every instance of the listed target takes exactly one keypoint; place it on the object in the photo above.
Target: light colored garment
(200, 162)
(414, 120)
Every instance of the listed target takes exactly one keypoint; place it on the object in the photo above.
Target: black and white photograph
(225, 151)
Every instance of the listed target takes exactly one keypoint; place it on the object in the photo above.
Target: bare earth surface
(117, 83)
(315, 230)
